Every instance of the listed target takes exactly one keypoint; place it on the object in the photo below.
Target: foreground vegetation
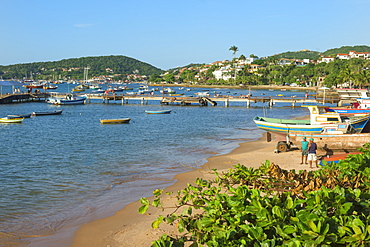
(269, 206)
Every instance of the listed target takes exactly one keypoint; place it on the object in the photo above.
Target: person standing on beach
(312, 147)
(304, 148)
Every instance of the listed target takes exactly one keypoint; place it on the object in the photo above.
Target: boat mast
(86, 72)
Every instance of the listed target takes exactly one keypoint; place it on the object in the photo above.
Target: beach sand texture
(128, 228)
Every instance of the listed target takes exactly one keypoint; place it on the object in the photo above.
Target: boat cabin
(322, 118)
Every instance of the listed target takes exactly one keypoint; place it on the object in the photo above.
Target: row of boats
(334, 129)
(19, 118)
(127, 120)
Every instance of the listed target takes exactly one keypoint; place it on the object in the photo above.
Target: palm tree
(234, 49)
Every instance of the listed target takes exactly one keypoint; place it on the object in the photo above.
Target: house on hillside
(343, 56)
(284, 61)
(364, 55)
(327, 59)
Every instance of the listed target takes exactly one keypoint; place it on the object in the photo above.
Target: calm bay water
(58, 172)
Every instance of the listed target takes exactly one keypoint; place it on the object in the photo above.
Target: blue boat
(362, 106)
(314, 125)
(159, 112)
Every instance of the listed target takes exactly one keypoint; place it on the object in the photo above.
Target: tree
(170, 78)
(234, 49)
(242, 57)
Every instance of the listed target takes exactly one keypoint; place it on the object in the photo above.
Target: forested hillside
(346, 49)
(313, 55)
(74, 68)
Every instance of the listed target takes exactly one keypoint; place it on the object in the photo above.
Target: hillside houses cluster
(351, 54)
(227, 70)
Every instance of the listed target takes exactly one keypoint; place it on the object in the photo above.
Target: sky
(174, 33)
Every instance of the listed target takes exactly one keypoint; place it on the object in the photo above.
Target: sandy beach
(128, 228)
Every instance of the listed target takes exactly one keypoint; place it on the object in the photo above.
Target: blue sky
(172, 33)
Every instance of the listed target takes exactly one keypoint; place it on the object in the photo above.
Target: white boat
(70, 99)
(202, 94)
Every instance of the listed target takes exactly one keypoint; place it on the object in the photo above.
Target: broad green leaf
(181, 226)
(289, 203)
(143, 200)
(157, 222)
(143, 209)
(276, 210)
(356, 229)
(289, 229)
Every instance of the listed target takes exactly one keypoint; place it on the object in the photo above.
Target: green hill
(74, 68)
(346, 49)
(314, 55)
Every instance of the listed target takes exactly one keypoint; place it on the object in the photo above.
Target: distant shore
(237, 87)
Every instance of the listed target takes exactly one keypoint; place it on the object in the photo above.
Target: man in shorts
(304, 148)
(312, 147)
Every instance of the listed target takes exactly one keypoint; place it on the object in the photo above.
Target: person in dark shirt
(312, 147)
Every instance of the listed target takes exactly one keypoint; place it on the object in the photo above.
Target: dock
(214, 101)
(22, 97)
(181, 100)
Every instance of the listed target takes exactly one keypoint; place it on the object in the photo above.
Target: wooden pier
(181, 100)
(226, 100)
(22, 97)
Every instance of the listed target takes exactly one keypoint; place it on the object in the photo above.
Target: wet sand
(129, 228)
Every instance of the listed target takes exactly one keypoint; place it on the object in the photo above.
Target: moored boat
(362, 106)
(11, 120)
(47, 113)
(115, 121)
(20, 115)
(158, 112)
(67, 100)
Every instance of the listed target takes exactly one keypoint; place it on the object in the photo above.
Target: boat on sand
(314, 125)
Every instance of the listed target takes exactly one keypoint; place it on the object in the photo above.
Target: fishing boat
(11, 120)
(47, 113)
(176, 94)
(158, 112)
(314, 125)
(20, 115)
(49, 86)
(362, 106)
(70, 99)
(115, 121)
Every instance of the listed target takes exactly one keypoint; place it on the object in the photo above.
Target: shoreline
(237, 87)
(127, 226)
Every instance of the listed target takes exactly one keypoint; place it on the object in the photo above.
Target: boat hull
(11, 120)
(298, 126)
(288, 127)
(20, 116)
(47, 113)
(348, 110)
(115, 121)
(67, 101)
(158, 112)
